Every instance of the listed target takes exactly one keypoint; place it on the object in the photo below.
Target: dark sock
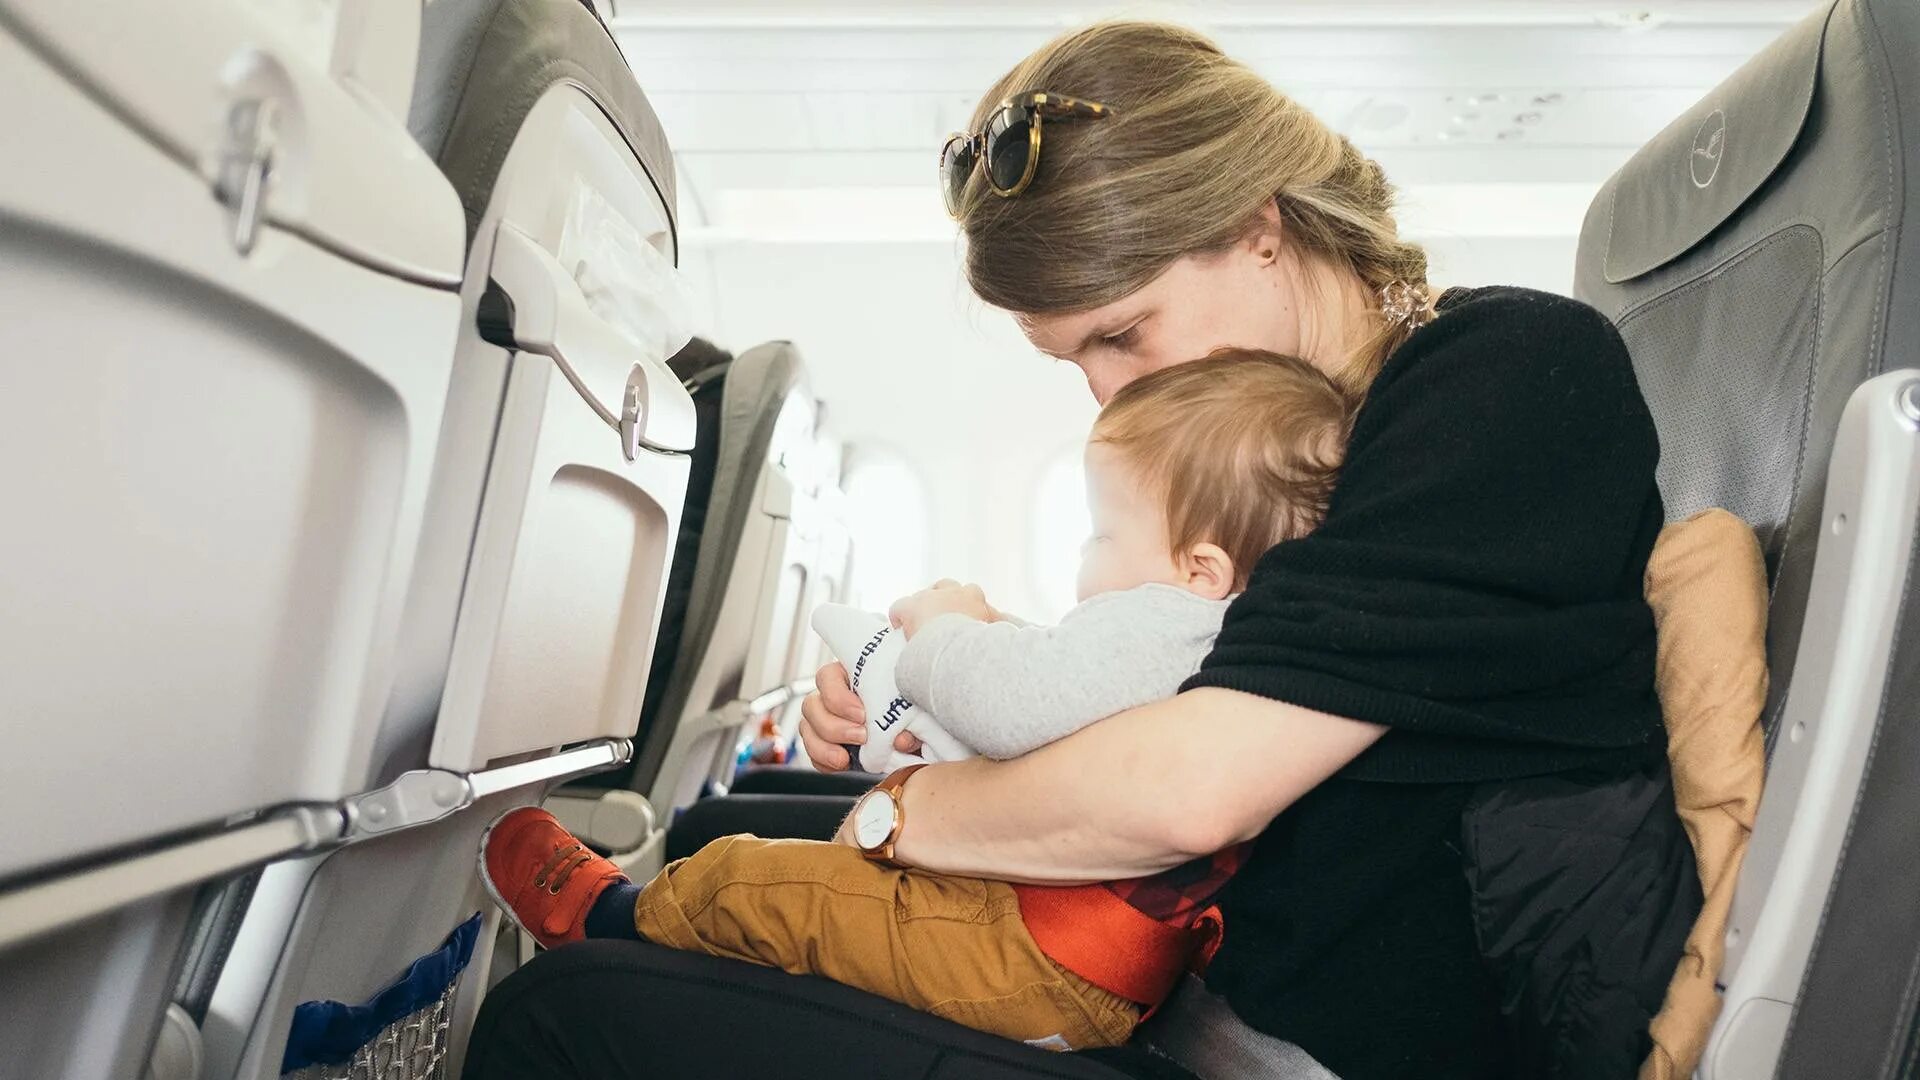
(611, 915)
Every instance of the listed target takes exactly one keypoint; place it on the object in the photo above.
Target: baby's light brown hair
(1242, 447)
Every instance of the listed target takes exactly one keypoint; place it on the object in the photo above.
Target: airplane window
(1060, 526)
(888, 518)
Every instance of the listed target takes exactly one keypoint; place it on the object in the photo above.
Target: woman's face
(1250, 296)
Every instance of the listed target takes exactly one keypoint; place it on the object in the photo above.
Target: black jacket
(1583, 895)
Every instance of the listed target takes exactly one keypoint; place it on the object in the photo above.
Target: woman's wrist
(914, 814)
(1018, 845)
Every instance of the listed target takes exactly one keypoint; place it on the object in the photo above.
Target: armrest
(1827, 726)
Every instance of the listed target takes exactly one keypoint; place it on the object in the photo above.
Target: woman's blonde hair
(1241, 447)
(1197, 147)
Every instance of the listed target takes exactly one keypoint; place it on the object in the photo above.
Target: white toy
(870, 647)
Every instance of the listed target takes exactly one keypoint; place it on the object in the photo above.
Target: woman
(1434, 717)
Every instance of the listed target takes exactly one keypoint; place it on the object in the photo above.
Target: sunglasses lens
(956, 164)
(1009, 142)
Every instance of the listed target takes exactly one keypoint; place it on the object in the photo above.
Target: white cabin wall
(909, 363)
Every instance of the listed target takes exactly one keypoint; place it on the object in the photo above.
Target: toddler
(1193, 472)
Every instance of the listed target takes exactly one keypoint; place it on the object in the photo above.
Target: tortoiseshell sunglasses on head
(1009, 144)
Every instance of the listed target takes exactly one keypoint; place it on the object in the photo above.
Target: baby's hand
(946, 597)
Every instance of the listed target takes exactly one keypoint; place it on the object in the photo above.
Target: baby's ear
(1209, 571)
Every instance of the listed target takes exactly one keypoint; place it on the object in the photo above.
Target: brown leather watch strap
(892, 785)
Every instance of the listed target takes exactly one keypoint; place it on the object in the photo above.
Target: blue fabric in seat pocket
(328, 1032)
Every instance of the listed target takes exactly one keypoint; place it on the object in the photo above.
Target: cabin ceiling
(822, 121)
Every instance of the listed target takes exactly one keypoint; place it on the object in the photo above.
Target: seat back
(557, 489)
(745, 654)
(771, 542)
(232, 343)
(1756, 259)
(702, 368)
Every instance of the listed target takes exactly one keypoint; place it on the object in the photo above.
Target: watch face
(873, 819)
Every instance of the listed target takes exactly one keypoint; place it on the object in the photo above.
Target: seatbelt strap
(1092, 932)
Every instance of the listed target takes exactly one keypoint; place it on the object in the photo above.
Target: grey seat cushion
(1201, 1032)
(1754, 291)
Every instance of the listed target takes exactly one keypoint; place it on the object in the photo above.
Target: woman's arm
(1132, 795)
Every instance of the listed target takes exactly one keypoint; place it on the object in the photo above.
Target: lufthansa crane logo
(1709, 146)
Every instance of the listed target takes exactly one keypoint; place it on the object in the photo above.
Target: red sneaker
(542, 875)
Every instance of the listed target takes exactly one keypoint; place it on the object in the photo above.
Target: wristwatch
(880, 815)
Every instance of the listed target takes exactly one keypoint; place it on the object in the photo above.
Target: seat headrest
(484, 64)
(1703, 167)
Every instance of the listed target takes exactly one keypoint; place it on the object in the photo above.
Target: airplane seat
(701, 367)
(600, 806)
(1761, 260)
(558, 481)
(770, 549)
(230, 282)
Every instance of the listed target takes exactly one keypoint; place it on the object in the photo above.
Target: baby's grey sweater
(1006, 689)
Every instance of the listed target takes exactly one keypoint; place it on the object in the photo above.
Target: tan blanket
(1707, 586)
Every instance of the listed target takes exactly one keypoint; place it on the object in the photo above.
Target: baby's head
(1194, 471)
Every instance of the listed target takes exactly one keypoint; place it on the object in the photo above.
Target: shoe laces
(561, 864)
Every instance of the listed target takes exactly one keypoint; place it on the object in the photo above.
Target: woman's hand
(946, 597)
(832, 719)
